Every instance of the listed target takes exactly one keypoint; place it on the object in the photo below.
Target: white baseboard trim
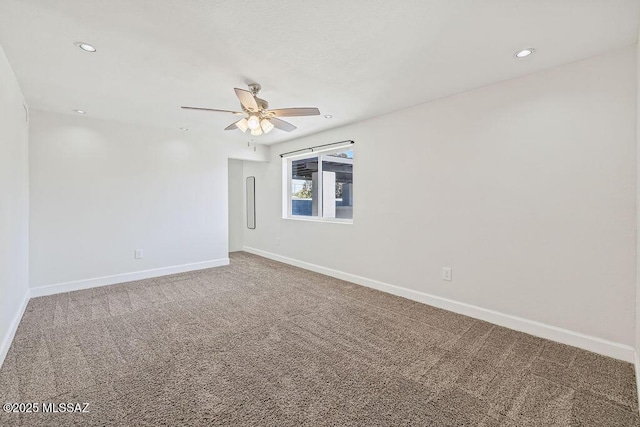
(532, 327)
(637, 365)
(77, 285)
(13, 327)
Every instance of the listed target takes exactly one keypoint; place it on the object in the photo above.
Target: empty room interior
(345, 213)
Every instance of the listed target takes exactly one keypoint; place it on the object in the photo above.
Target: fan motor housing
(264, 105)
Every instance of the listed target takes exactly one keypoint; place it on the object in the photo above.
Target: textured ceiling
(352, 59)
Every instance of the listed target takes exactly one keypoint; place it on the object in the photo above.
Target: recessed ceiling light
(328, 116)
(80, 111)
(524, 52)
(184, 129)
(86, 47)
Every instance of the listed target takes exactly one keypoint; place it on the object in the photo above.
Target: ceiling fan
(257, 118)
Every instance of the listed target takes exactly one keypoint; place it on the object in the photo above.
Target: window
(320, 185)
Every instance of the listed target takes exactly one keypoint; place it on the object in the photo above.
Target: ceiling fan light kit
(243, 124)
(258, 119)
(253, 122)
(266, 125)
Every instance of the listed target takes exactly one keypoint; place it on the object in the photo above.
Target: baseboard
(637, 366)
(13, 327)
(77, 285)
(539, 329)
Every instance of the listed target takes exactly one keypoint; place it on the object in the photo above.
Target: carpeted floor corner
(263, 343)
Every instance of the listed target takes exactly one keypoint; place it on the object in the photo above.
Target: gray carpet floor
(263, 343)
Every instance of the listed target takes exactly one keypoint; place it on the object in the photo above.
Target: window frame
(287, 205)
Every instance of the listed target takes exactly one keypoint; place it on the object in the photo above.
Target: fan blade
(211, 109)
(232, 126)
(247, 100)
(282, 125)
(291, 112)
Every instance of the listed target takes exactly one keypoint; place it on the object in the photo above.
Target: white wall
(236, 205)
(101, 189)
(525, 188)
(637, 324)
(14, 204)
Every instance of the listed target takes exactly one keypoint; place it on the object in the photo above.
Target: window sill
(329, 220)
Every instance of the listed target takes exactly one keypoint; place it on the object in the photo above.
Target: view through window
(321, 185)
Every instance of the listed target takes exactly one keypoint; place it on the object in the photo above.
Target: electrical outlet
(138, 254)
(447, 273)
